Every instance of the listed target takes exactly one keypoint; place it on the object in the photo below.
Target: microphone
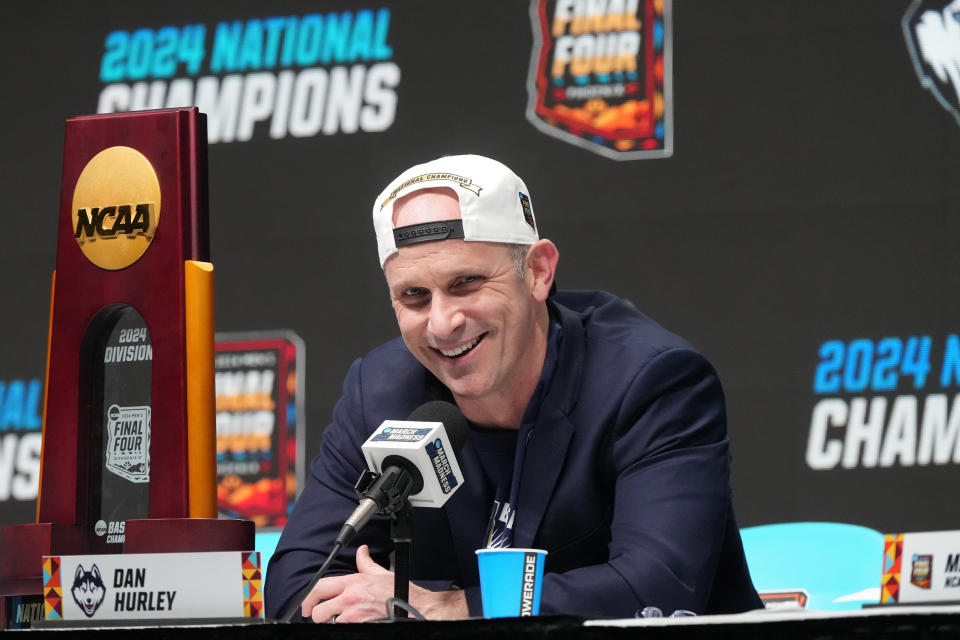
(413, 456)
(415, 459)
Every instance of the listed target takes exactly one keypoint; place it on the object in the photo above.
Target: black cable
(293, 607)
(402, 604)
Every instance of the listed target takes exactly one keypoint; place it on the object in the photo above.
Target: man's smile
(457, 352)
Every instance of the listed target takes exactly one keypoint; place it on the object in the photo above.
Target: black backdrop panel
(811, 198)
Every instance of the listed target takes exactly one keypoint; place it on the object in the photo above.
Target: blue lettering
(251, 51)
(885, 375)
(12, 406)
(916, 360)
(827, 377)
(286, 57)
(11, 414)
(164, 54)
(31, 410)
(20, 405)
(111, 66)
(360, 41)
(259, 43)
(141, 52)
(271, 47)
(337, 37)
(863, 364)
(308, 42)
(226, 44)
(856, 374)
(191, 51)
(950, 370)
(149, 54)
(381, 50)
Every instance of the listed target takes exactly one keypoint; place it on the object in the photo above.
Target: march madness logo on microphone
(932, 31)
(441, 465)
(400, 434)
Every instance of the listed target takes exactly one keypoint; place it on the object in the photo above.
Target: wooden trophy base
(182, 535)
(23, 546)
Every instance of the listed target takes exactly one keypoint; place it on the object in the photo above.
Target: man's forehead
(442, 260)
(426, 205)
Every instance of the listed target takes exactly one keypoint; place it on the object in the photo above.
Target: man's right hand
(362, 596)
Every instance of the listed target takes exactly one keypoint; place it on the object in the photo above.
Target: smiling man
(595, 433)
(468, 314)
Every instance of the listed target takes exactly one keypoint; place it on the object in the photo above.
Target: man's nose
(446, 316)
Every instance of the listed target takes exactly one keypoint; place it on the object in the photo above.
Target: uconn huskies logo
(932, 31)
(88, 590)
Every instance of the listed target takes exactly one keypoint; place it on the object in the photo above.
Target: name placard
(921, 567)
(144, 586)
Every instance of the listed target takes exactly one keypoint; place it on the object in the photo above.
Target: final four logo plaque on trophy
(128, 462)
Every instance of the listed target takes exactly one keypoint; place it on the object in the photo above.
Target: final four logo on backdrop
(600, 75)
(932, 31)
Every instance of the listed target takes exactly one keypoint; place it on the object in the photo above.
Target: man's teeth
(466, 347)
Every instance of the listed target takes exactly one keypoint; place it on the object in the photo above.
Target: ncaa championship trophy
(128, 464)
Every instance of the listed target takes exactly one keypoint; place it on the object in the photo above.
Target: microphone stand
(401, 532)
(391, 491)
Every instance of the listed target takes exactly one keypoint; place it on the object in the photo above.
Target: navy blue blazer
(626, 477)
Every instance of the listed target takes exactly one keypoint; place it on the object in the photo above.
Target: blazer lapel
(546, 449)
(545, 454)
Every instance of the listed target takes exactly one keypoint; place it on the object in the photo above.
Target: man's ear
(540, 267)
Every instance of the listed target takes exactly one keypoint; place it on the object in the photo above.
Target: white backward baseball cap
(494, 204)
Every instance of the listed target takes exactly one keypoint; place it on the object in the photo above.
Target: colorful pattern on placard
(892, 558)
(52, 590)
(252, 595)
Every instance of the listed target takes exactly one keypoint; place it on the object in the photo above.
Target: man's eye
(468, 280)
(413, 292)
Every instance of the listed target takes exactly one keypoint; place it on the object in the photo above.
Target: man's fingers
(325, 589)
(328, 597)
(366, 564)
(325, 610)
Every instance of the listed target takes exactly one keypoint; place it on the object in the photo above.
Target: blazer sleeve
(669, 452)
(326, 502)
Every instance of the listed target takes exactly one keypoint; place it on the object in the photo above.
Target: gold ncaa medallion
(116, 207)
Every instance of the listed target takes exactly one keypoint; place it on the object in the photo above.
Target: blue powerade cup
(510, 581)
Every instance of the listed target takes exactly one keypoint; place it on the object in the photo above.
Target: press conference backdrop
(775, 181)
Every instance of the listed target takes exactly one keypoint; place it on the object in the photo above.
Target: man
(595, 433)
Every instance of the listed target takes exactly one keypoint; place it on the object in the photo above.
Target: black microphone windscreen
(449, 414)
